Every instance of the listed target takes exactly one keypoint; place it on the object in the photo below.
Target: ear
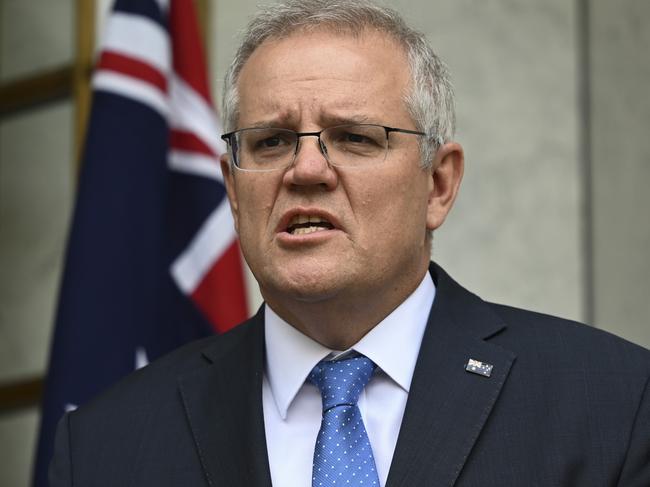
(446, 174)
(229, 181)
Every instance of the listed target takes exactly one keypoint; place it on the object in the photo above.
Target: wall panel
(35, 35)
(620, 43)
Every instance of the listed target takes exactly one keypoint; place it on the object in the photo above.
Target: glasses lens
(355, 145)
(264, 149)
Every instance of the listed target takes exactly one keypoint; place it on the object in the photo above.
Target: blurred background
(553, 107)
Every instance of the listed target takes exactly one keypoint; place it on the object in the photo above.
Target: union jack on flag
(152, 259)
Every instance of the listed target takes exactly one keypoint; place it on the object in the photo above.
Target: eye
(357, 138)
(265, 140)
(270, 142)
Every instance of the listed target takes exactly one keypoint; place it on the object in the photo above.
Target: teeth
(306, 230)
(306, 219)
(305, 224)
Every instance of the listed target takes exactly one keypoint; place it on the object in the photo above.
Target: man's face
(379, 215)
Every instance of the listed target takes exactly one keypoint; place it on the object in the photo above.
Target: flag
(152, 259)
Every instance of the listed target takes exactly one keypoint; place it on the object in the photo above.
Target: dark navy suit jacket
(565, 406)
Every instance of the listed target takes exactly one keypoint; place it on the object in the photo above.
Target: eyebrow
(332, 120)
(267, 124)
(326, 121)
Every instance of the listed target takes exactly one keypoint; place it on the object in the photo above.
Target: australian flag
(152, 259)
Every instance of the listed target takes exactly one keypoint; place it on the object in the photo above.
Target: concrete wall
(36, 190)
(620, 118)
(518, 233)
(514, 234)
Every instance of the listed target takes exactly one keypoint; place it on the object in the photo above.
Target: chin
(306, 284)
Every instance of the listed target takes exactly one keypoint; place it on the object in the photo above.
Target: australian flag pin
(478, 367)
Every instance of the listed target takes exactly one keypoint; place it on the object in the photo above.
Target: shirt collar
(393, 345)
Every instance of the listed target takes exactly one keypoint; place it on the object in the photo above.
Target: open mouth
(305, 224)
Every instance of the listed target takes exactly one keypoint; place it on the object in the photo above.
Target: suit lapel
(223, 404)
(448, 406)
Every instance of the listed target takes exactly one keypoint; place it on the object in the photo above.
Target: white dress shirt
(293, 408)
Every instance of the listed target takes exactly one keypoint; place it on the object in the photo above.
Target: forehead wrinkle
(271, 112)
(337, 113)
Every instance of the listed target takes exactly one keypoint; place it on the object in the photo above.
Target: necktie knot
(341, 381)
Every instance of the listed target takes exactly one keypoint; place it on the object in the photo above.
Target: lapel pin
(479, 368)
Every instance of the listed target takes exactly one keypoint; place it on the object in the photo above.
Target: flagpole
(85, 46)
(203, 14)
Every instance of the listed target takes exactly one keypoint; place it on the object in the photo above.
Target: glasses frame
(321, 145)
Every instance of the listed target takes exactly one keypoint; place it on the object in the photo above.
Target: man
(367, 365)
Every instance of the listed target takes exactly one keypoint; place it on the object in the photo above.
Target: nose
(310, 167)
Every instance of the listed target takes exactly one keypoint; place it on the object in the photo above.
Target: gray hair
(430, 99)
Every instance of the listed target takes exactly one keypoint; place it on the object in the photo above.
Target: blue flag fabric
(120, 303)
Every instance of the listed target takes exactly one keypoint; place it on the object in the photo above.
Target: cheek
(399, 207)
(256, 198)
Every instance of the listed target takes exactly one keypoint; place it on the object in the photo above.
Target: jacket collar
(223, 405)
(448, 406)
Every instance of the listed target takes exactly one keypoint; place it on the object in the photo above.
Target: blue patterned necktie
(343, 456)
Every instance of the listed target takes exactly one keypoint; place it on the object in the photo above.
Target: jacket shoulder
(554, 341)
(159, 379)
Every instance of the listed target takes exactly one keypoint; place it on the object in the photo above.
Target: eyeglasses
(268, 149)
